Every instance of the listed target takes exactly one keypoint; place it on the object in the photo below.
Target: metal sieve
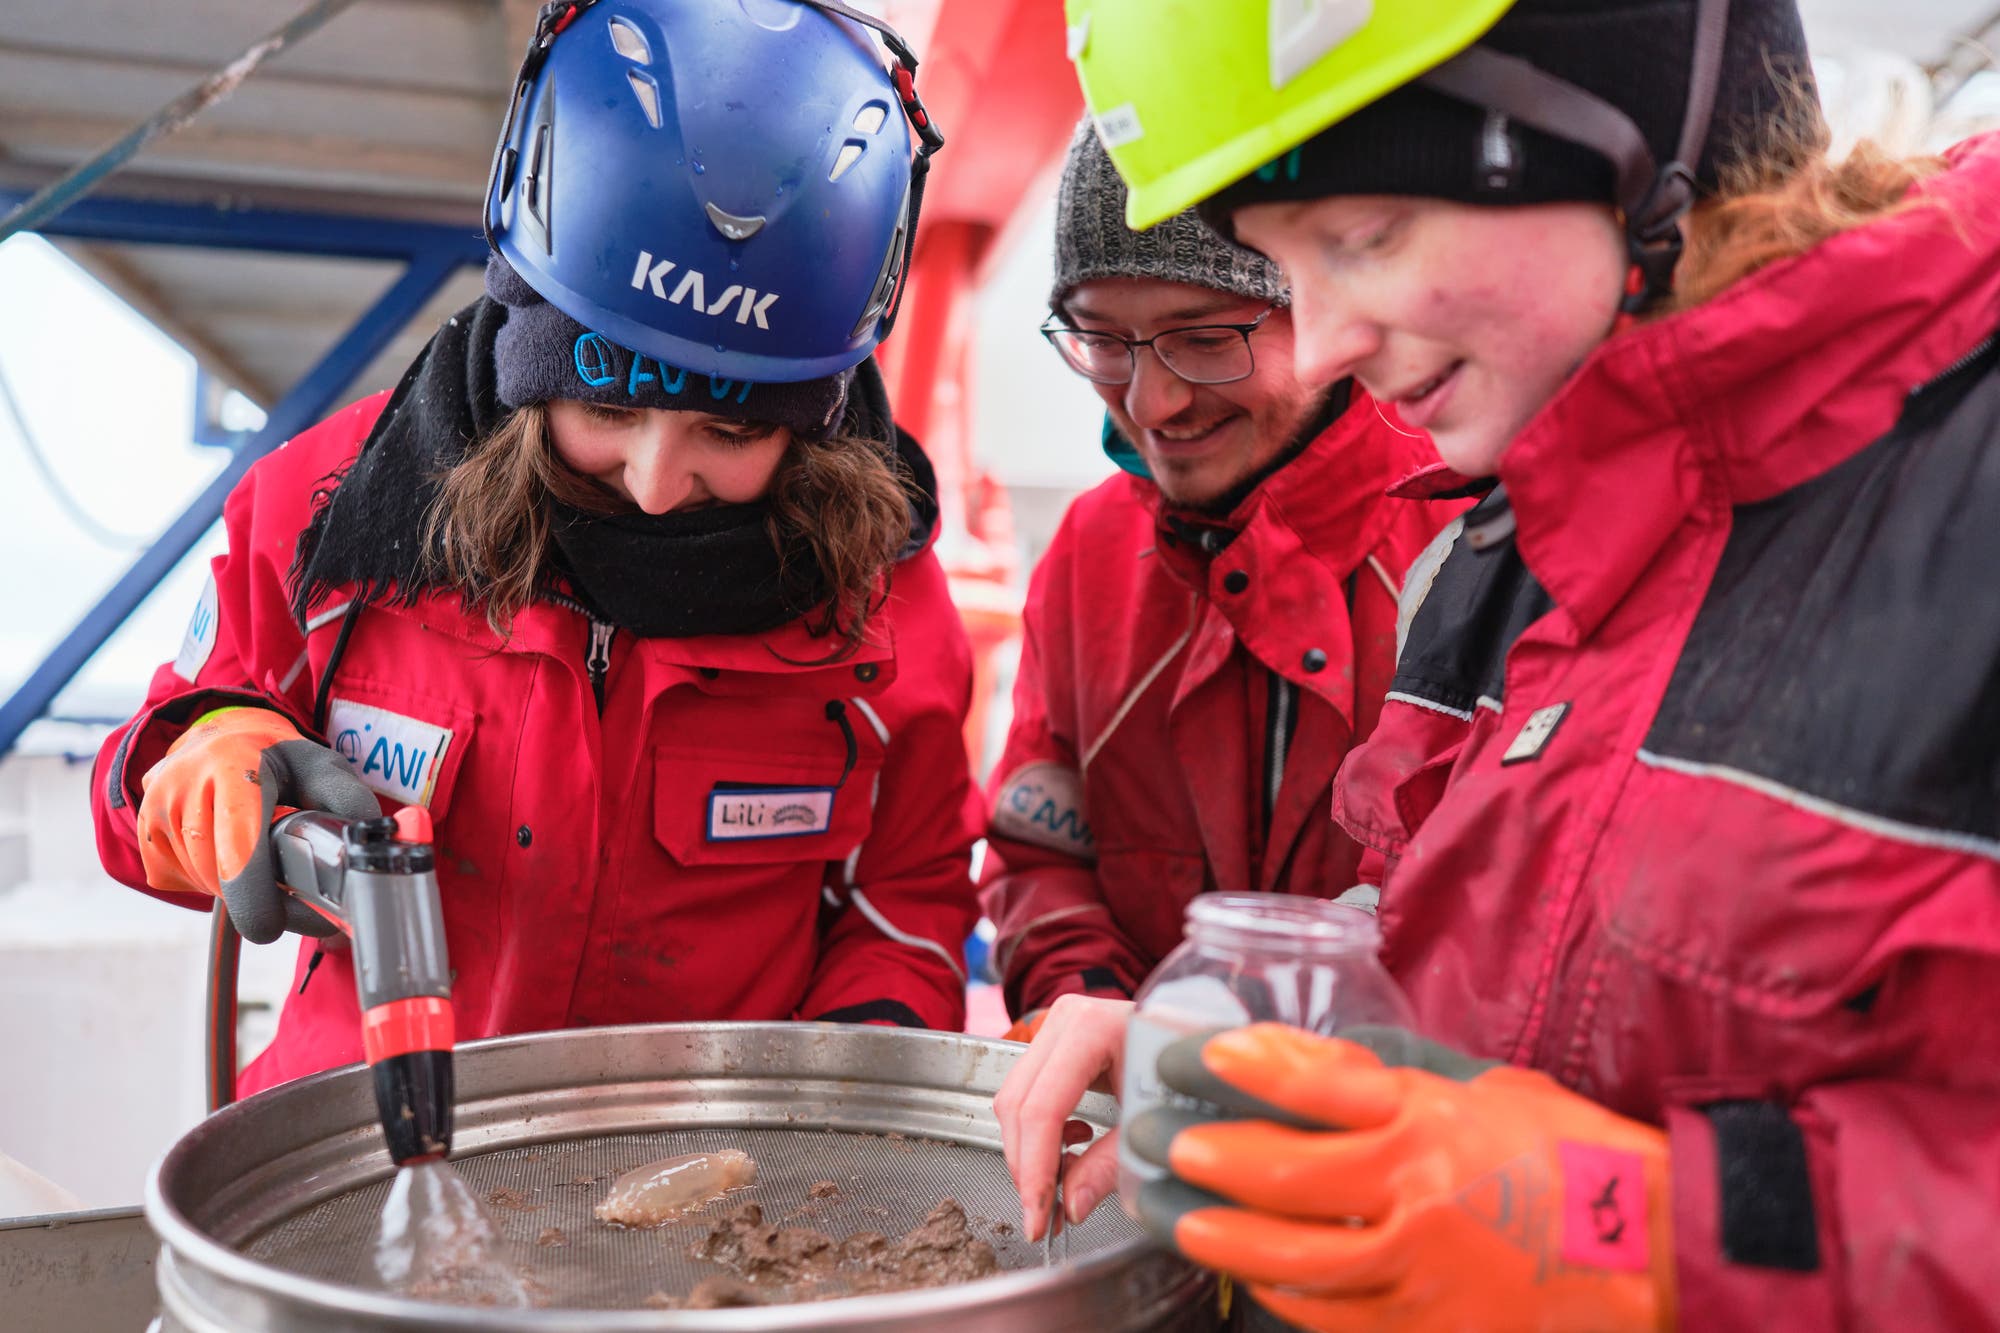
(268, 1210)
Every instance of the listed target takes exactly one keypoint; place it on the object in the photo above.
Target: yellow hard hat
(1190, 95)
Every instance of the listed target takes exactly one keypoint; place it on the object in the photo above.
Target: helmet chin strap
(1650, 198)
(929, 141)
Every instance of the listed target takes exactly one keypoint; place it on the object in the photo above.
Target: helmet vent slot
(648, 95)
(628, 42)
(850, 153)
(537, 165)
(869, 118)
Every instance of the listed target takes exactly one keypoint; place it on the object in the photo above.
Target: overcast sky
(110, 400)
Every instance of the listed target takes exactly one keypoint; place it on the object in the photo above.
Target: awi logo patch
(199, 641)
(1042, 803)
(743, 814)
(395, 755)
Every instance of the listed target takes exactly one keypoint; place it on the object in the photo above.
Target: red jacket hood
(1780, 377)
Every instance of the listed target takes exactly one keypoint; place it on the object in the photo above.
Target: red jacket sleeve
(1054, 933)
(895, 950)
(242, 643)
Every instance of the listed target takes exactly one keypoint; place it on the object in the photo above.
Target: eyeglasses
(1199, 354)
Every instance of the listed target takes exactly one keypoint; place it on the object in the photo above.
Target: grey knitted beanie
(1092, 240)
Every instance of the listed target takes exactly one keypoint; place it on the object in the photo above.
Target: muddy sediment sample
(668, 1190)
(511, 1199)
(552, 1236)
(719, 1292)
(824, 1189)
(942, 1252)
(807, 1265)
(722, 1292)
(773, 1255)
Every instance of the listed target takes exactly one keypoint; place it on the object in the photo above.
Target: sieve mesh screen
(886, 1184)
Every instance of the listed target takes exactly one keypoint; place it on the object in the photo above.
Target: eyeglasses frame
(1050, 327)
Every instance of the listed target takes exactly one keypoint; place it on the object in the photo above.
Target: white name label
(395, 755)
(740, 814)
(199, 641)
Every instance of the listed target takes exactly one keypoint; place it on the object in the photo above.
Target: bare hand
(1081, 1047)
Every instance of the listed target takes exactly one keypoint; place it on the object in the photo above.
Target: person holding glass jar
(1688, 784)
(1304, 962)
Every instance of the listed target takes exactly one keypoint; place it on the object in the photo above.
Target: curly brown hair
(842, 502)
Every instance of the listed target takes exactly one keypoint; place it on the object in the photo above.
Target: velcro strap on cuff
(1768, 1219)
(874, 1011)
(1101, 979)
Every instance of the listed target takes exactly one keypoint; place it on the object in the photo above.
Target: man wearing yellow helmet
(1687, 780)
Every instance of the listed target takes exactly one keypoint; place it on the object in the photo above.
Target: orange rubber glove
(1026, 1027)
(1386, 1181)
(205, 816)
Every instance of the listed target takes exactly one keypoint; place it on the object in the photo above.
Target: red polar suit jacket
(1690, 779)
(593, 867)
(1187, 688)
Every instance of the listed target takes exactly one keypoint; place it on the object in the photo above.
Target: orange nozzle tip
(413, 823)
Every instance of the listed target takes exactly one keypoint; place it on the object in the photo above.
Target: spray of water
(438, 1244)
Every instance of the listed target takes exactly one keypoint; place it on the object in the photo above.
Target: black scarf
(707, 571)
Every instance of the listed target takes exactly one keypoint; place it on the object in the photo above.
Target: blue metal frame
(432, 254)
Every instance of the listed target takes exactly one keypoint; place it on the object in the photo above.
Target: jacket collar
(1331, 499)
(1778, 379)
(777, 659)
(1300, 540)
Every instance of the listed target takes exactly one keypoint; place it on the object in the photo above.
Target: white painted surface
(101, 999)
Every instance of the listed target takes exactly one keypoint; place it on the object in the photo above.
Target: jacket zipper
(597, 662)
(597, 657)
(1277, 742)
(1984, 347)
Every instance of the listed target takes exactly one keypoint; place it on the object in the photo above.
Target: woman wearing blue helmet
(628, 581)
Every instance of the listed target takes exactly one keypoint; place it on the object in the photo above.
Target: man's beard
(1331, 404)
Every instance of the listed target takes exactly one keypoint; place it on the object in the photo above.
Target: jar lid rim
(1286, 917)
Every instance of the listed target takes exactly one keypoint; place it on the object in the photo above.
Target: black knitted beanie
(540, 353)
(1634, 54)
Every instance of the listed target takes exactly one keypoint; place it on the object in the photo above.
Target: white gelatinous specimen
(665, 1191)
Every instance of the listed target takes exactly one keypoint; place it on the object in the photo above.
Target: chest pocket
(732, 807)
(402, 745)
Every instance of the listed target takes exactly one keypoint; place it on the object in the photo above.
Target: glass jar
(1251, 958)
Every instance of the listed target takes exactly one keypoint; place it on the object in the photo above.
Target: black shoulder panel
(1481, 600)
(1849, 645)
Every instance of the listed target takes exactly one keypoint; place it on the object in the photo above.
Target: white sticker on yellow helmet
(1302, 31)
(1119, 126)
(1078, 39)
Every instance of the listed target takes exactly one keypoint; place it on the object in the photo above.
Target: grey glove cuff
(309, 776)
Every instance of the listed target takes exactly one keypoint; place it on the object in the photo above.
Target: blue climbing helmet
(725, 186)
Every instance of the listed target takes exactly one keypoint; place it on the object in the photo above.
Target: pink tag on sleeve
(1604, 1207)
